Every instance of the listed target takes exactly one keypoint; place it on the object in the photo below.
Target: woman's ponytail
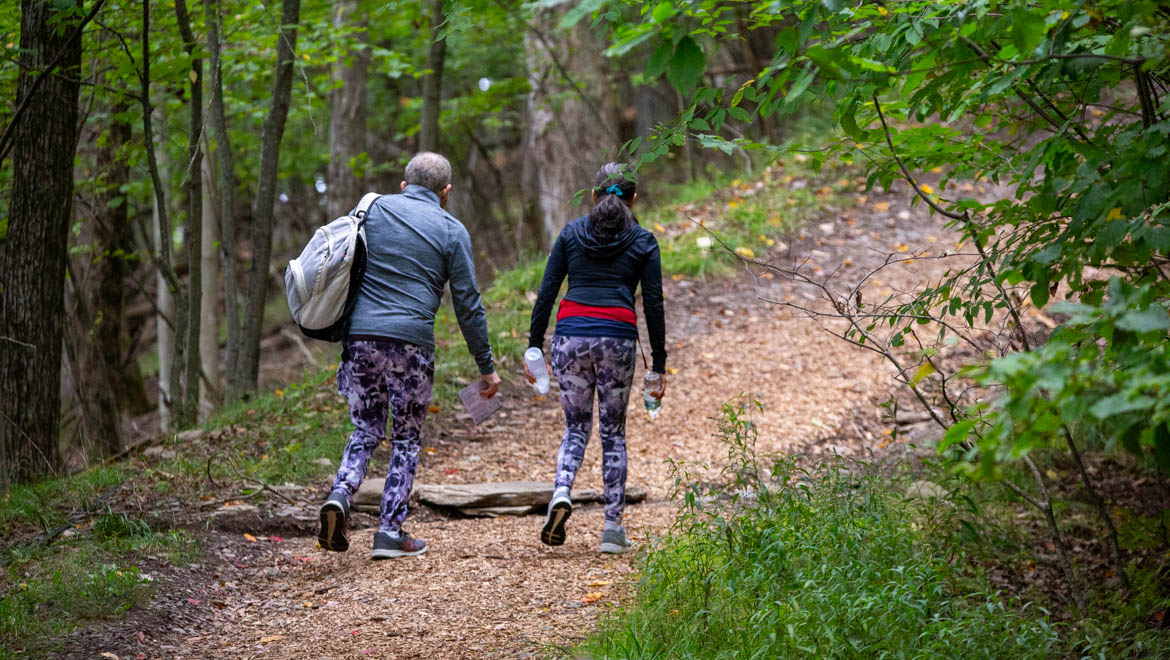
(612, 214)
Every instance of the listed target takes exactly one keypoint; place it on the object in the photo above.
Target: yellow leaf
(598, 583)
(903, 248)
(925, 187)
(1064, 15)
(881, 206)
(429, 450)
(923, 371)
(883, 11)
(279, 394)
(1114, 214)
(931, 239)
(733, 203)
(936, 170)
(192, 76)
(745, 252)
(251, 539)
(270, 638)
(592, 597)
(770, 242)
(659, 228)
(671, 370)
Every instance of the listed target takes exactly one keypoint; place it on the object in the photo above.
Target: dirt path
(488, 588)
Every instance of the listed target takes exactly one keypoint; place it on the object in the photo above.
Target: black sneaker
(559, 510)
(388, 547)
(334, 519)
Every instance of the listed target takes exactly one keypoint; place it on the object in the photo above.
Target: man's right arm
(467, 301)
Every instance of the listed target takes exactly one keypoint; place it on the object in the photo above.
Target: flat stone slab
(502, 498)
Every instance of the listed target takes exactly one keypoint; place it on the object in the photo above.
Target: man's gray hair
(430, 170)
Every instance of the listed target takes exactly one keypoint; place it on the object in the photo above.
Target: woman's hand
(531, 378)
(661, 387)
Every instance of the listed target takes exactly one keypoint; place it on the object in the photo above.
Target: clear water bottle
(651, 383)
(534, 358)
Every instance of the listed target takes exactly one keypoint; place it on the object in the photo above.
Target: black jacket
(604, 274)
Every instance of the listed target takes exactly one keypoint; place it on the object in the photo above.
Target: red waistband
(569, 308)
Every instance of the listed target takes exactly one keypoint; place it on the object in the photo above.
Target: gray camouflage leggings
(382, 379)
(582, 365)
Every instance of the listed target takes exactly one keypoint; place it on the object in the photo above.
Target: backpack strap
(363, 206)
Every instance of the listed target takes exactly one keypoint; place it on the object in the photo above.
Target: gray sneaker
(388, 547)
(559, 510)
(614, 542)
(334, 519)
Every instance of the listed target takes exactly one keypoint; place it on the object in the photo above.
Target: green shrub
(788, 562)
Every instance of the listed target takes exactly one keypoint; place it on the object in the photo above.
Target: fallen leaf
(251, 539)
(659, 228)
(592, 597)
(598, 583)
(107, 654)
(434, 409)
(194, 601)
(276, 539)
(450, 471)
(881, 206)
(141, 636)
(271, 638)
(903, 248)
(671, 370)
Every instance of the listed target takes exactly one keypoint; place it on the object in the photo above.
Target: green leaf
(658, 60)
(686, 66)
(1146, 320)
(923, 371)
(956, 434)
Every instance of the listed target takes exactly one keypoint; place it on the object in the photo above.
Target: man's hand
(491, 385)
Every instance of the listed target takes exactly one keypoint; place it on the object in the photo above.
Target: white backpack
(323, 282)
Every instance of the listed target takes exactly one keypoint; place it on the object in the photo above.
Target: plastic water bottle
(651, 383)
(534, 358)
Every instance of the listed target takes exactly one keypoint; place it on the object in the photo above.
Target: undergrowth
(94, 573)
(789, 560)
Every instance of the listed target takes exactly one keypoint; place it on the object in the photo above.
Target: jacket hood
(598, 248)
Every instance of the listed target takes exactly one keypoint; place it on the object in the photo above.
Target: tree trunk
(347, 111)
(227, 195)
(164, 332)
(248, 364)
(572, 123)
(432, 83)
(209, 302)
(33, 254)
(101, 376)
(193, 185)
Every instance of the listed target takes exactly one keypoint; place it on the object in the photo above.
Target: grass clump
(44, 505)
(45, 592)
(795, 563)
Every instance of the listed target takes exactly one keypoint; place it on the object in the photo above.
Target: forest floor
(487, 587)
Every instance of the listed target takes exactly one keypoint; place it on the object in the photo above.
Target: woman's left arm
(653, 307)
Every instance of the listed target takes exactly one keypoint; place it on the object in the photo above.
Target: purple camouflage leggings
(381, 378)
(582, 365)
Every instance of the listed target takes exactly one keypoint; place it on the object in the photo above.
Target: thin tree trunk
(248, 364)
(209, 394)
(432, 83)
(34, 252)
(167, 278)
(347, 111)
(193, 236)
(569, 131)
(96, 327)
(227, 194)
(164, 333)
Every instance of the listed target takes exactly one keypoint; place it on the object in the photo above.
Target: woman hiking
(605, 255)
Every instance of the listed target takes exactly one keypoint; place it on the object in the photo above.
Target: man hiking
(414, 249)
